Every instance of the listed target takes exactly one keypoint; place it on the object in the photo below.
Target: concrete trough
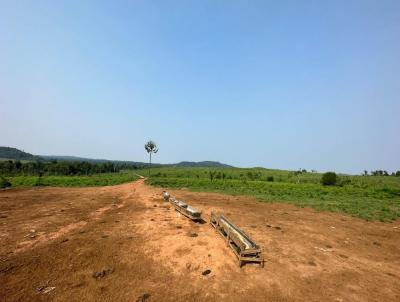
(242, 245)
(166, 195)
(182, 207)
(187, 210)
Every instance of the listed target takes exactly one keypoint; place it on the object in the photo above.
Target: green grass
(367, 197)
(104, 179)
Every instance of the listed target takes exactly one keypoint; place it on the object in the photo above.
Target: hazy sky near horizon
(279, 84)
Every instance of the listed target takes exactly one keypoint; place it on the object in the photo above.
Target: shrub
(270, 178)
(344, 182)
(329, 179)
(38, 182)
(212, 175)
(4, 183)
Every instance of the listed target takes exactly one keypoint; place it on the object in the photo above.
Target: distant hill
(207, 164)
(13, 153)
(95, 160)
(210, 164)
(72, 158)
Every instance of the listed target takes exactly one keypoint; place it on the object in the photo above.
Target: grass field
(104, 179)
(367, 197)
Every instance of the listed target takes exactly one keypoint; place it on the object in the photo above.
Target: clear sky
(279, 84)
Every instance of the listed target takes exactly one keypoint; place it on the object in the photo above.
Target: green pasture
(367, 197)
(103, 179)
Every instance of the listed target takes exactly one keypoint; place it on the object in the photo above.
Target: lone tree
(151, 147)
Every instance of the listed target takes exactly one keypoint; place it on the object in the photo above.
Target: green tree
(329, 179)
(151, 147)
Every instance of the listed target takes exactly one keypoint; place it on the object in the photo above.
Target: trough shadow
(200, 221)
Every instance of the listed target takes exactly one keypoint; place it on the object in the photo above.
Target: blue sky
(279, 84)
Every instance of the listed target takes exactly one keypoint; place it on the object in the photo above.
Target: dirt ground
(124, 243)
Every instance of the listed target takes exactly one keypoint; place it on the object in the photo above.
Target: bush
(270, 178)
(4, 183)
(38, 182)
(344, 182)
(329, 179)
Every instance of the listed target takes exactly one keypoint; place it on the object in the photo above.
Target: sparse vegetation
(371, 198)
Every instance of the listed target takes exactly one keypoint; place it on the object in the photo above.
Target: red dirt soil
(124, 243)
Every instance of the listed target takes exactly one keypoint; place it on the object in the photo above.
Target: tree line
(381, 173)
(10, 167)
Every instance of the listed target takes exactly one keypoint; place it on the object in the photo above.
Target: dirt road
(124, 243)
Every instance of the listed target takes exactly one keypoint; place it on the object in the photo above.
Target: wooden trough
(242, 245)
(183, 208)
